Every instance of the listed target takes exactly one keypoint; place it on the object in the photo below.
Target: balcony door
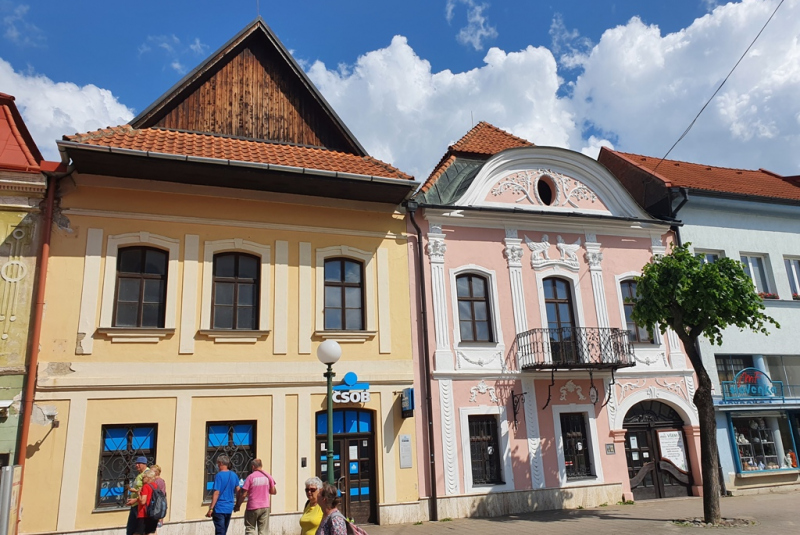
(560, 321)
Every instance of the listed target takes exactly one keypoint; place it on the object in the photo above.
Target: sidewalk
(777, 514)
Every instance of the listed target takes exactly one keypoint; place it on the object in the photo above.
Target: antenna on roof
(258, 8)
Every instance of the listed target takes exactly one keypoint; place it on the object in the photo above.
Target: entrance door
(652, 467)
(353, 462)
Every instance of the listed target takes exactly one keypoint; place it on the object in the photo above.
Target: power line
(720, 87)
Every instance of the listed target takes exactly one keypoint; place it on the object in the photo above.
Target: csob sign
(351, 391)
(751, 383)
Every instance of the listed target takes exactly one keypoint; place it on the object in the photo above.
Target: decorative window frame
(591, 425)
(508, 472)
(211, 248)
(650, 351)
(494, 310)
(575, 281)
(370, 291)
(139, 334)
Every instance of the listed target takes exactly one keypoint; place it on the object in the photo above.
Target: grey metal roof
(453, 183)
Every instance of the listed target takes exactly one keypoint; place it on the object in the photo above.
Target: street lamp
(328, 353)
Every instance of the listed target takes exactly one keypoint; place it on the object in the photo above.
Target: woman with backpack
(144, 524)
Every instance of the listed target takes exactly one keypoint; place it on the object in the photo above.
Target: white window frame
(658, 342)
(212, 248)
(497, 331)
(594, 443)
(793, 273)
(768, 279)
(370, 290)
(139, 334)
(502, 442)
(704, 252)
(575, 281)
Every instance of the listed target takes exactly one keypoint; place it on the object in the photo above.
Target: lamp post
(328, 353)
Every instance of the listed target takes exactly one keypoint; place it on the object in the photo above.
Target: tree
(697, 299)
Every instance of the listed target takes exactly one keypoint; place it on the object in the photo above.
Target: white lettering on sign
(351, 396)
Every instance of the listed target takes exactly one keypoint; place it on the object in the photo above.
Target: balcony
(573, 348)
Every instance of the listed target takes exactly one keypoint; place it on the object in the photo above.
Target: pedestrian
(140, 463)
(226, 486)
(333, 523)
(257, 489)
(144, 524)
(312, 512)
(160, 485)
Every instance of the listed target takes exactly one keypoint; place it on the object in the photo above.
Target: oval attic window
(545, 190)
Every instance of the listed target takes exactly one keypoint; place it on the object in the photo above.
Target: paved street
(774, 513)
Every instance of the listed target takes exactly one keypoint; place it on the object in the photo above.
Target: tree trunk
(709, 454)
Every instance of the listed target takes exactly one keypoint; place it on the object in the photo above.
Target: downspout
(30, 379)
(411, 208)
(675, 228)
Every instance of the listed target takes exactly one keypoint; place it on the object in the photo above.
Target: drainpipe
(41, 277)
(411, 208)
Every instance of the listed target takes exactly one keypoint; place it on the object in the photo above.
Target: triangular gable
(17, 148)
(251, 88)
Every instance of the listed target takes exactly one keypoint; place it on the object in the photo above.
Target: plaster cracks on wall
(570, 387)
(57, 369)
(481, 388)
(43, 414)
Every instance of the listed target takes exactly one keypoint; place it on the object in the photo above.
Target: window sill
(346, 336)
(125, 508)
(766, 473)
(233, 336)
(135, 334)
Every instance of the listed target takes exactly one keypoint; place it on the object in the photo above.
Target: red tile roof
(164, 141)
(483, 141)
(18, 152)
(676, 173)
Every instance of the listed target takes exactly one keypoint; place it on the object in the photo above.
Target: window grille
(116, 473)
(237, 440)
(484, 451)
(577, 459)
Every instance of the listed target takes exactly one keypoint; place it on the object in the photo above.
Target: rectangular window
(121, 445)
(484, 450)
(755, 267)
(237, 440)
(763, 441)
(577, 459)
(786, 369)
(707, 257)
(635, 333)
(793, 271)
(729, 365)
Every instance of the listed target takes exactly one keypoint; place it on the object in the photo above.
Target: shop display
(756, 447)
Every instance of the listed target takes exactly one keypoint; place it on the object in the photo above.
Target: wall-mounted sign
(406, 459)
(610, 449)
(751, 383)
(407, 402)
(672, 448)
(351, 391)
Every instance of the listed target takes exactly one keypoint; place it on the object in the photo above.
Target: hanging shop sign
(407, 402)
(351, 391)
(752, 384)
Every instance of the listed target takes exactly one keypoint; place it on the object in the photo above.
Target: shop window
(763, 441)
(236, 291)
(786, 369)
(755, 267)
(474, 311)
(237, 440)
(635, 333)
(121, 445)
(484, 450)
(577, 456)
(141, 293)
(793, 271)
(344, 295)
(729, 365)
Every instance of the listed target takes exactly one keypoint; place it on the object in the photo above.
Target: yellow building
(213, 243)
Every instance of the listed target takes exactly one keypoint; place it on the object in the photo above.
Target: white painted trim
(191, 257)
(533, 434)
(577, 302)
(304, 301)
(389, 476)
(180, 462)
(90, 292)
(281, 297)
(211, 248)
(306, 443)
(70, 477)
(172, 245)
(597, 463)
(278, 464)
(494, 307)
(384, 306)
(508, 471)
(369, 282)
(449, 445)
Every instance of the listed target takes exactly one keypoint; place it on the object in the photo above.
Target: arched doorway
(655, 448)
(353, 461)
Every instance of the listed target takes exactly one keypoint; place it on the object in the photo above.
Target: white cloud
(173, 50)
(18, 30)
(477, 29)
(51, 109)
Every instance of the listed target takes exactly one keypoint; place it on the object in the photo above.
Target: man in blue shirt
(226, 486)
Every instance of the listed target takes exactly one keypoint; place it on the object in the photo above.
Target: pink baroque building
(542, 392)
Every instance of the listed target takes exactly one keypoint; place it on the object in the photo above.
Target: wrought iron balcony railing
(571, 348)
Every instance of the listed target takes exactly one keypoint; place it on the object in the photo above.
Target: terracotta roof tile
(227, 148)
(676, 173)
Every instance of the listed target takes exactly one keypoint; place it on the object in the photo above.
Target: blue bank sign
(751, 384)
(351, 391)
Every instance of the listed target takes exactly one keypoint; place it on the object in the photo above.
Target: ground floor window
(121, 445)
(237, 440)
(484, 450)
(577, 457)
(763, 441)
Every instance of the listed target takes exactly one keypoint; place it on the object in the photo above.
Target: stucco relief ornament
(676, 387)
(436, 248)
(626, 388)
(481, 388)
(12, 272)
(568, 191)
(540, 253)
(594, 258)
(570, 387)
(513, 254)
(647, 361)
(480, 361)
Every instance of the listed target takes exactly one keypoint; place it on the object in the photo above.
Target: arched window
(636, 333)
(474, 313)
(141, 291)
(560, 320)
(344, 295)
(234, 304)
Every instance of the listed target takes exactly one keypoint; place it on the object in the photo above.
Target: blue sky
(411, 77)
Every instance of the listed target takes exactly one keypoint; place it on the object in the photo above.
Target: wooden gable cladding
(251, 88)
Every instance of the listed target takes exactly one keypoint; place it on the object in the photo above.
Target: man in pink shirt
(257, 489)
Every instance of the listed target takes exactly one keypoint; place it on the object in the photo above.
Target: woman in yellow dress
(312, 513)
